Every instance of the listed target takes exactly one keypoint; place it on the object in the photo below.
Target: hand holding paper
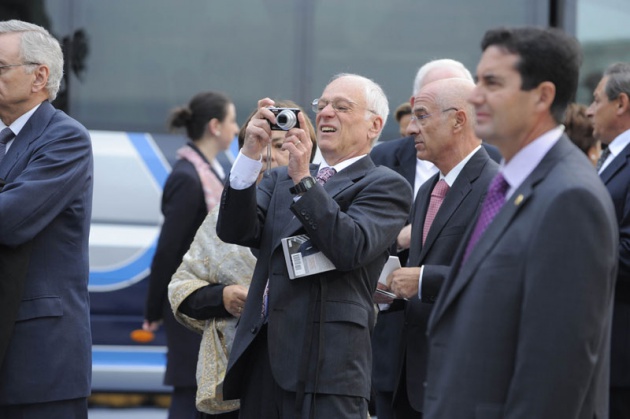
(383, 294)
(404, 282)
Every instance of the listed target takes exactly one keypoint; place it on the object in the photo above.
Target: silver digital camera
(286, 118)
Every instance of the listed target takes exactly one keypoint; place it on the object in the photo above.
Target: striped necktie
(6, 135)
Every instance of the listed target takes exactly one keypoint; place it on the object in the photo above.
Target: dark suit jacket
(184, 209)
(400, 156)
(616, 177)
(47, 202)
(522, 328)
(458, 210)
(352, 219)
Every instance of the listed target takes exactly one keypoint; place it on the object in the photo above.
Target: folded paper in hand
(303, 258)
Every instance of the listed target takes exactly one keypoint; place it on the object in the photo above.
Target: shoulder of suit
(391, 146)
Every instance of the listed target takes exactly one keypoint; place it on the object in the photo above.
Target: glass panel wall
(603, 30)
(138, 59)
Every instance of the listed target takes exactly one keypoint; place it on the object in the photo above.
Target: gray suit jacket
(47, 202)
(522, 328)
(352, 219)
(457, 212)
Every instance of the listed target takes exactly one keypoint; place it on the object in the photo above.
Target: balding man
(400, 155)
(443, 126)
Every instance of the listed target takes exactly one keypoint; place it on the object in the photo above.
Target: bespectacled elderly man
(45, 209)
(302, 347)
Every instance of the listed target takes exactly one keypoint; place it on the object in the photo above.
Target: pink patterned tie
(491, 206)
(324, 174)
(437, 197)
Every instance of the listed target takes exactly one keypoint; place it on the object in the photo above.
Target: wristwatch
(304, 185)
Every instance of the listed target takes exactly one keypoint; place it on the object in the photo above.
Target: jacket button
(303, 212)
(254, 329)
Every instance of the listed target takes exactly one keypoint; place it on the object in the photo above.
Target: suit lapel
(461, 275)
(615, 166)
(455, 196)
(420, 207)
(31, 131)
(335, 186)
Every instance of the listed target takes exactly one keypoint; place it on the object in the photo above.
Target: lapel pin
(518, 200)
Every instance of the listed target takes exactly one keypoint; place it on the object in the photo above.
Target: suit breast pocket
(38, 307)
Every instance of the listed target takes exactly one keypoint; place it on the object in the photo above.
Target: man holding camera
(295, 352)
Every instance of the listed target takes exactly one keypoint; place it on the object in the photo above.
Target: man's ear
(40, 78)
(377, 126)
(623, 105)
(546, 94)
(460, 119)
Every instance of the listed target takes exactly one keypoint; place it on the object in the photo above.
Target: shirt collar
(19, 123)
(525, 161)
(619, 143)
(451, 176)
(340, 166)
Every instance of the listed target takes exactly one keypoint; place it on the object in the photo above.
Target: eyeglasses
(2, 67)
(421, 117)
(338, 105)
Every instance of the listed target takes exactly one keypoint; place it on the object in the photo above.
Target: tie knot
(498, 186)
(324, 174)
(440, 189)
(6, 135)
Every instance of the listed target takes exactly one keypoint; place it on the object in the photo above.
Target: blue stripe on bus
(140, 265)
(132, 358)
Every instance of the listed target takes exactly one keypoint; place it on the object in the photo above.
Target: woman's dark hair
(578, 127)
(203, 107)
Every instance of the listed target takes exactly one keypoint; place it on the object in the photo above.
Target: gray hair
(618, 80)
(454, 68)
(38, 46)
(375, 98)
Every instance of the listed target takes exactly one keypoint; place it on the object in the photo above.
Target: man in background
(401, 156)
(443, 125)
(45, 209)
(521, 326)
(610, 114)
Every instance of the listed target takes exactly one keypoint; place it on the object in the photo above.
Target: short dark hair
(545, 54)
(618, 80)
(402, 110)
(203, 108)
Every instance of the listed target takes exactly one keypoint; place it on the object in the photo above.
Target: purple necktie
(491, 206)
(324, 174)
(437, 197)
(6, 135)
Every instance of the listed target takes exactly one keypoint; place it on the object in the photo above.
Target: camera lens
(286, 119)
